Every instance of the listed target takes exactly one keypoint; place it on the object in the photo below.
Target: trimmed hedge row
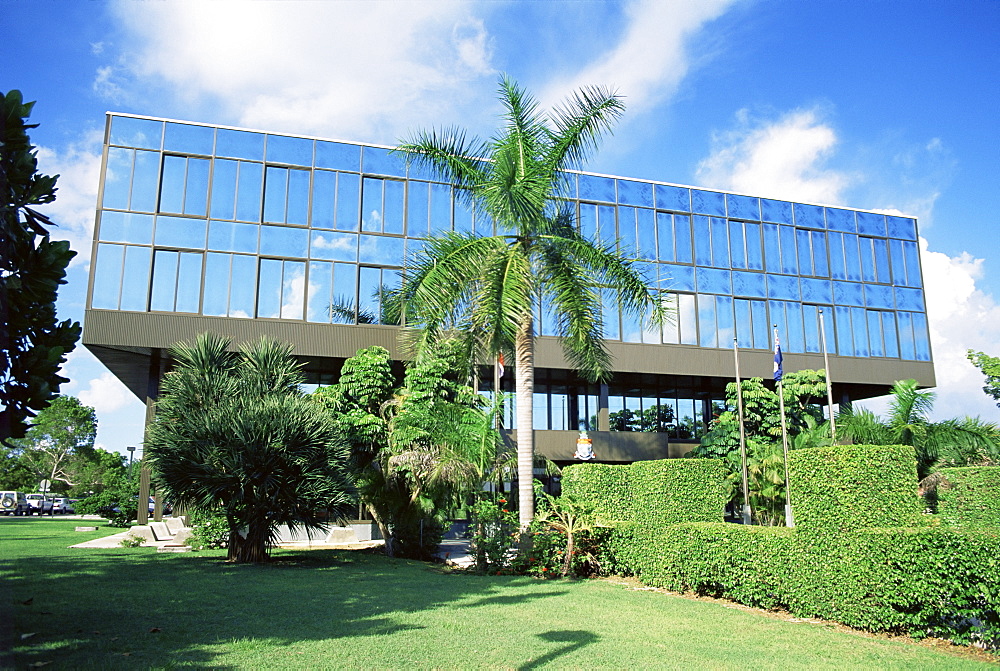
(854, 487)
(969, 496)
(652, 492)
(929, 581)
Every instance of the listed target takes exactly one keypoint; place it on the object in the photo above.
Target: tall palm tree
(489, 286)
(961, 441)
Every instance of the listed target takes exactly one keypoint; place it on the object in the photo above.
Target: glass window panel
(324, 198)
(755, 259)
(189, 282)
(348, 194)
(789, 264)
(540, 411)
(901, 227)
(777, 211)
(724, 321)
(164, 281)
(223, 189)
(838, 269)
(776, 309)
(906, 344)
(189, 139)
(196, 191)
(810, 328)
(275, 194)
(860, 321)
(687, 321)
(284, 241)
(393, 213)
(820, 265)
(881, 261)
(217, 267)
(875, 333)
(840, 220)
(635, 193)
(645, 234)
(711, 280)
(852, 259)
(243, 286)
(783, 286)
(909, 299)
(749, 284)
(378, 161)
(135, 285)
(793, 322)
(141, 133)
(867, 260)
(706, 321)
(802, 239)
(677, 277)
(239, 144)
(889, 334)
(172, 184)
(248, 195)
(232, 237)
(610, 315)
(671, 325)
(682, 238)
(921, 341)
(737, 250)
(369, 283)
(761, 331)
(345, 280)
(596, 188)
(291, 150)
(298, 197)
(631, 328)
(708, 202)
(606, 228)
(844, 332)
(269, 289)
(588, 221)
(118, 178)
(320, 299)
(381, 250)
(744, 323)
(440, 208)
(848, 293)
(626, 232)
(879, 296)
(334, 246)
(809, 216)
(870, 223)
(416, 209)
(293, 290)
(816, 291)
(898, 264)
(108, 277)
(772, 249)
(673, 198)
(126, 227)
(180, 232)
(743, 207)
(145, 180)
(665, 236)
(338, 156)
(911, 256)
(702, 241)
(463, 216)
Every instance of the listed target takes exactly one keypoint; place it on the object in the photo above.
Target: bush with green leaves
(209, 529)
(494, 534)
(968, 496)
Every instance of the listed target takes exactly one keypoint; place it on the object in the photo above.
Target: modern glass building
(244, 233)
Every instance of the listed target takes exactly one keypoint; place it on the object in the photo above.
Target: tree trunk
(568, 564)
(524, 376)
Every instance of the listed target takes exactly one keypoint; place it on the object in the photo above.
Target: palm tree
(233, 432)
(962, 441)
(489, 286)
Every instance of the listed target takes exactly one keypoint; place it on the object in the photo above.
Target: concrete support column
(603, 420)
(152, 393)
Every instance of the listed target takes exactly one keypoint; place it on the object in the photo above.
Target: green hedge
(969, 496)
(853, 487)
(652, 492)
(930, 581)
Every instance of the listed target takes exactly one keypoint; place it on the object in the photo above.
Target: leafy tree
(234, 432)
(570, 517)
(33, 344)
(489, 287)
(117, 496)
(60, 444)
(990, 367)
(965, 441)
(14, 474)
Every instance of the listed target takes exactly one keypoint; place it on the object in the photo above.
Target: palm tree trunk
(524, 378)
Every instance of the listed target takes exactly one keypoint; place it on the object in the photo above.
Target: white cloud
(783, 159)
(650, 59)
(78, 167)
(106, 394)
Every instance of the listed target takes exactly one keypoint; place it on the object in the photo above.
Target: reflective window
(772, 249)
(742, 207)
(860, 323)
(881, 252)
(284, 241)
(810, 328)
(783, 286)
(720, 243)
(348, 200)
(592, 187)
(373, 284)
(232, 237)
(184, 185)
(737, 245)
(118, 178)
(889, 334)
(378, 161)
(755, 260)
(334, 246)
(319, 303)
(289, 150)
(870, 223)
(463, 215)
(840, 220)
(135, 280)
(249, 186)
(324, 199)
(909, 299)
(189, 139)
(921, 339)
(239, 144)
(612, 330)
(803, 240)
(816, 291)
(224, 189)
(749, 284)
(761, 327)
(126, 227)
(338, 156)
(844, 332)
(907, 349)
(793, 321)
(838, 268)
(879, 296)
(702, 241)
(708, 335)
(677, 277)
(440, 209)
(777, 211)
(217, 279)
(852, 260)
(627, 242)
(897, 262)
(281, 289)
(286, 196)
(708, 202)
(635, 193)
(848, 293)
(417, 203)
(145, 181)
(868, 272)
(381, 250)
(901, 227)
(176, 281)
(673, 198)
(180, 232)
(875, 339)
(809, 216)
(243, 286)
(645, 234)
(345, 293)
(140, 133)
(911, 256)
(820, 265)
(711, 280)
(108, 277)
(789, 264)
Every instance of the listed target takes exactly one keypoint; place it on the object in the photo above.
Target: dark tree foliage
(990, 367)
(33, 344)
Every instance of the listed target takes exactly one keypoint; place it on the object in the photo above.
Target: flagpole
(743, 438)
(778, 376)
(829, 382)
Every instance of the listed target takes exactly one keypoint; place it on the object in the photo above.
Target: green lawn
(134, 608)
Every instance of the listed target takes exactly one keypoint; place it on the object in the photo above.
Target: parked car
(69, 507)
(40, 504)
(59, 505)
(14, 503)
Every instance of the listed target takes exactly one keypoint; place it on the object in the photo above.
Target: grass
(131, 608)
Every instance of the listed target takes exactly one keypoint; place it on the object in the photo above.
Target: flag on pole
(778, 372)
(500, 365)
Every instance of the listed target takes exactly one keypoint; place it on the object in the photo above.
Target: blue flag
(777, 359)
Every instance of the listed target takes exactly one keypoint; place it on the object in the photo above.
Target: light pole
(131, 453)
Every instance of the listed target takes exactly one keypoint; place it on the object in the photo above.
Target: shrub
(969, 496)
(209, 529)
(494, 535)
(853, 486)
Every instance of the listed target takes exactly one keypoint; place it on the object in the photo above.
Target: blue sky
(876, 105)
